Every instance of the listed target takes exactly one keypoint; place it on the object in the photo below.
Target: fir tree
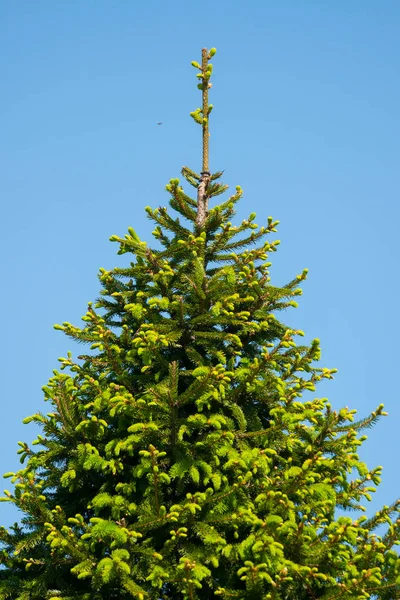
(181, 458)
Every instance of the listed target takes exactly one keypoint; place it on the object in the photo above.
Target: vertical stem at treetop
(204, 62)
(202, 198)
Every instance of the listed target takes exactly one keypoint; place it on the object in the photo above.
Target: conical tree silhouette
(179, 460)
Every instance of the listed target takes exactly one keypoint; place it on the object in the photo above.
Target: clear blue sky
(306, 120)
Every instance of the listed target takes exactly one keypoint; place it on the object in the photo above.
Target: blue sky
(306, 120)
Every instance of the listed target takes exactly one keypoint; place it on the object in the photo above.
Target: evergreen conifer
(179, 459)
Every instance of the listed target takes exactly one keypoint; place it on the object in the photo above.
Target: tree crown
(180, 459)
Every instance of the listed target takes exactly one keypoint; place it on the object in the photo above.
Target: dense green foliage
(180, 459)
